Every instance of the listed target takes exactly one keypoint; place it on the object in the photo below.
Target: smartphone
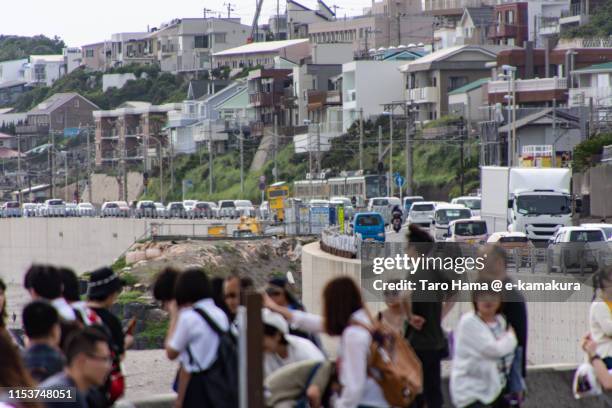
(129, 329)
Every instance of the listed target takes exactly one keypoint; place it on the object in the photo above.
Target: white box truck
(535, 201)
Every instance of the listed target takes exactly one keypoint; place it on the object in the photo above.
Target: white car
(11, 209)
(471, 202)
(189, 204)
(408, 201)
(29, 210)
(146, 209)
(175, 210)
(606, 228)
(421, 213)
(244, 207)
(384, 206)
(318, 203)
(160, 210)
(85, 210)
(115, 209)
(577, 248)
(71, 209)
(443, 215)
(227, 209)
(470, 231)
(213, 207)
(54, 208)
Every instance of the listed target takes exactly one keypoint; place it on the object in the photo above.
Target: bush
(586, 149)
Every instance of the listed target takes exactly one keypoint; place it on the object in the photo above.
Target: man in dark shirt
(41, 324)
(89, 362)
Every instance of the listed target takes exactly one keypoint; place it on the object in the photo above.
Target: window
(456, 82)
(201, 41)
(89, 53)
(434, 81)
(76, 103)
(510, 17)
(220, 38)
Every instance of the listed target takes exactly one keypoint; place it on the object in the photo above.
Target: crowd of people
(73, 339)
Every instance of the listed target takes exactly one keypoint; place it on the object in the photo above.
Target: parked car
(421, 213)
(214, 208)
(200, 210)
(160, 210)
(227, 209)
(86, 210)
(175, 210)
(11, 209)
(469, 231)
(369, 226)
(244, 207)
(443, 215)
(606, 228)
(577, 248)
(29, 210)
(71, 209)
(264, 210)
(124, 209)
(54, 208)
(189, 205)
(408, 201)
(146, 209)
(110, 209)
(471, 202)
(318, 203)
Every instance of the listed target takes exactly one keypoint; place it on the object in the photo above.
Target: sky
(80, 22)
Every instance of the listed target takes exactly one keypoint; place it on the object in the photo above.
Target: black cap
(103, 282)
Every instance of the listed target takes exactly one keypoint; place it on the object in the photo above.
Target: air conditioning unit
(308, 176)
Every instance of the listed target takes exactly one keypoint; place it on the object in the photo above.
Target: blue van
(370, 225)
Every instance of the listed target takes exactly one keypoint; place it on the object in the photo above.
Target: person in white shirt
(190, 338)
(600, 315)
(282, 348)
(484, 351)
(344, 310)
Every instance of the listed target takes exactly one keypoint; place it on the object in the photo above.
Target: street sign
(262, 178)
(399, 180)
(262, 183)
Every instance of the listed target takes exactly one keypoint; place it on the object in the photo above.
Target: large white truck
(535, 201)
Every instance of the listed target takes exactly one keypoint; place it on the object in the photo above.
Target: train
(358, 188)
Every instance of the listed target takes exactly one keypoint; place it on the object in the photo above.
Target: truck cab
(369, 226)
(539, 213)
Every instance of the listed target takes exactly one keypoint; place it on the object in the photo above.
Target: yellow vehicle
(277, 193)
(248, 227)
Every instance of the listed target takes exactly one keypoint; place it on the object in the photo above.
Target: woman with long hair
(13, 373)
(3, 313)
(344, 315)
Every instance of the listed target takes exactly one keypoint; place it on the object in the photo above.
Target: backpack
(219, 382)
(393, 364)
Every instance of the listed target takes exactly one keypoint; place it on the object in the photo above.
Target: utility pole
(161, 172)
(361, 139)
(52, 162)
(318, 148)
(399, 32)
(124, 169)
(409, 127)
(461, 167)
(206, 11)
(241, 162)
(277, 36)
(275, 170)
(513, 116)
(210, 158)
(391, 154)
(229, 8)
(554, 131)
(379, 143)
(66, 196)
(19, 187)
(89, 186)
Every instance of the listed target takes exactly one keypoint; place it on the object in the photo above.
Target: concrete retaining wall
(555, 328)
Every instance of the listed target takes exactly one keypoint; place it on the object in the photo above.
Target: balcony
(264, 99)
(110, 135)
(503, 31)
(549, 26)
(134, 131)
(576, 14)
(601, 96)
(319, 99)
(529, 90)
(32, 129)
(427, 94)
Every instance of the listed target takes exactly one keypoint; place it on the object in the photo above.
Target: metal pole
(66, 176)
(318, 148)
(509, 142)
(241, 163)
(210, 158)
(391, 154)
(124, 169)
(89, 185)
(161, 173)
(462, 170)
(361, 139)
(513, 117)
(52, 161)
(19, 187)
(554, 131)
(379, 144)
(409, 126)
(275, 147)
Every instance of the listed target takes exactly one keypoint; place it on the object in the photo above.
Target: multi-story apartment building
(73, 58)
(262, 53)
(128, 48)
(94, 56)
(511, 24)
(127, 134)
(300, 16)
(267, 96)
(44, 70)
(188, 44)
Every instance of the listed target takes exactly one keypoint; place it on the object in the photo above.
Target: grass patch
(119, 264)
(130, 296)
(153, 332)
(130, 279)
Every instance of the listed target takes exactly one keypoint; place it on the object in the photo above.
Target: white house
(73, 57)
(367, 85)
(468, 100)
(12, 70)
(44, 69)
(594, 84)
